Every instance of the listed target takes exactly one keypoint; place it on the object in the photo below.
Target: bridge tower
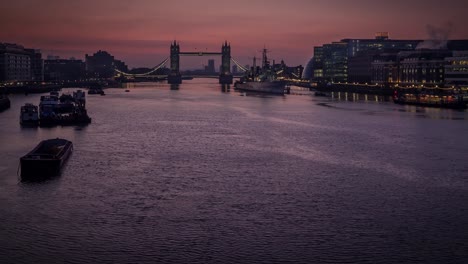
(174, 76)
(225, 76)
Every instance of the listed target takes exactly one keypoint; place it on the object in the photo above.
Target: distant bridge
(175, 77)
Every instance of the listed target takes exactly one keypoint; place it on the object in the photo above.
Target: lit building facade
(384, 68)
(456, 68)
(350, 60)
(317, 64)
(425, 67)
(335, 62)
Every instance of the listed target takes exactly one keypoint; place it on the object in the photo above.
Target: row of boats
(67, 109)
(426, 97)
(47, 159)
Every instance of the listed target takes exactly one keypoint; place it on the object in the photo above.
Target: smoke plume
(438, 37)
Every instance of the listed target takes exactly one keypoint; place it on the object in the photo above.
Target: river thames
(198, 174)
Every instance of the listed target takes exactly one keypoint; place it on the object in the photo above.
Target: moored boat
(272, 87)
(263, 80)
(80, 98)
(320, 93)
(29, 115)
(54, 93)
(4, 102)
(454, 101)
(45, 160)
(48, 110)
(96, 91)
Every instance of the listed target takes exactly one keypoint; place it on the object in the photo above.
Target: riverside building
(18, 64)
(349, 60)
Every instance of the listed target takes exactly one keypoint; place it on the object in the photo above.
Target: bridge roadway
(164, 77)
(200, 53)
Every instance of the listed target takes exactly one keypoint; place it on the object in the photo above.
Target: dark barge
(45, 160)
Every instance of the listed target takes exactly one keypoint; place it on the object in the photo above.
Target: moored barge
(272, 87)
(45, 160)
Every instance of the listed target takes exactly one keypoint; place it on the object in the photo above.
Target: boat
(450, 100)
(273, 87)
(263, 80)
(29, 115)
(48, 110)
(4, 102)
(96, 91)
(54, 93)
(68, 109)
(320, 94)
(79, 97)
(67, 103)
(45, 160)
(78, 117)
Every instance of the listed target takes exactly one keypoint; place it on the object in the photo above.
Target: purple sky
(139, 32)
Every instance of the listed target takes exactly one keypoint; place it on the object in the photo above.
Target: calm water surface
(198, 174)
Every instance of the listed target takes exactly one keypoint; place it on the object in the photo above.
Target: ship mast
(254, 66)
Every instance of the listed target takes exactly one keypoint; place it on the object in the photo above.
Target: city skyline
(140, 34)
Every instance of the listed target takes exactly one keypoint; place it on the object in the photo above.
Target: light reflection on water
(203, 174)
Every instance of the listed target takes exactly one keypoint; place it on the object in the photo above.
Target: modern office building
(359, 66)
(308, 70)
(317, 64)
(335, 62)
(349, 60)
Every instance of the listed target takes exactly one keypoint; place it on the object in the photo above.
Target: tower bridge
(175, 77)
(225, 76)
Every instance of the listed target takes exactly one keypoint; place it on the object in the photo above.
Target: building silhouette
(18, 64)
(102, 65)
(211, 66)
(234, 69)
(64, 70)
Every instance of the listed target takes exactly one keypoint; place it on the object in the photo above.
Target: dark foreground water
(198, 175)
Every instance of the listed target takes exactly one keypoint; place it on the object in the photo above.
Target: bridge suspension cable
(239, 65)
(295, 75)
(146, 73)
